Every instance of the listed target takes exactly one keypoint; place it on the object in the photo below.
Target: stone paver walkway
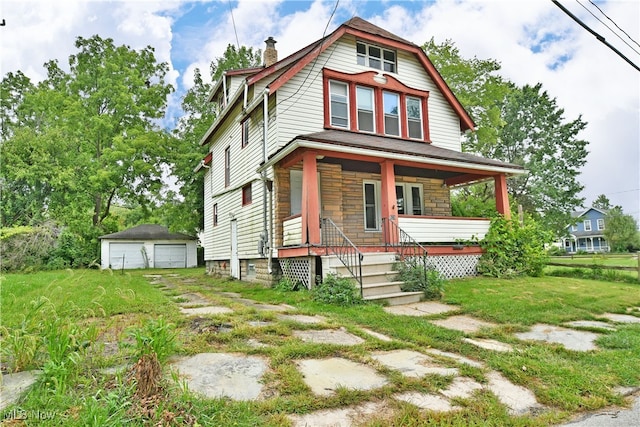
(241, 377)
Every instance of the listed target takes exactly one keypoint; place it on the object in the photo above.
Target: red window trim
(392, 84)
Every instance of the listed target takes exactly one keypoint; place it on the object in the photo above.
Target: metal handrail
(406, 246)
(335, 241)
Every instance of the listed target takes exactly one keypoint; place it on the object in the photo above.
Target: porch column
(502, 197)
(310, 206)
(389, 200)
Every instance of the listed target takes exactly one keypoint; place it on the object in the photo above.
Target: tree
(536, 136)
(81, 140)
(478, 87)
(601, 202)
(521, 125)
(184, 210)
(621, 231)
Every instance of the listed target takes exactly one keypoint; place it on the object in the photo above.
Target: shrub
(337, 290)
(418, 277)
(287, 285)
(513, 249)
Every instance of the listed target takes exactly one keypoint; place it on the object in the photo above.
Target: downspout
(265, 190)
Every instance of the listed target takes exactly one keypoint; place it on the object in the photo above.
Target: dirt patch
(203, 325)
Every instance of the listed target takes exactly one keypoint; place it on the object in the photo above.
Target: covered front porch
(379, 194)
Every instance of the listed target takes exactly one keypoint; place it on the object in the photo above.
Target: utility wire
(609, 28)
(234, 24)
(314, 61)
(614, 23)
(598, 36)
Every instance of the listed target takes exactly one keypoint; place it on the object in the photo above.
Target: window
(414, 117)
(357, 102)
(295, 189)
(246, 195)
(587, 225)
(574, 228)
(391, 105)
(409, 199)
(227, 166)
(371, 202)
(245, 133)
(339, 104)
(215, 214)
(600, 224)
(364, 99)
(376, 57)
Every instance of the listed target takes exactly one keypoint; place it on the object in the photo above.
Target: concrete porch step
(397, 298)
(381, 288)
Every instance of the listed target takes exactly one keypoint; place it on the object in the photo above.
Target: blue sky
(534, 41)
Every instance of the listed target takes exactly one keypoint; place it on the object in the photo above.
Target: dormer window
(376, 57)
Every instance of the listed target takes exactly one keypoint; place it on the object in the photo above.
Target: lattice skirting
(296, 270)
(455, 266)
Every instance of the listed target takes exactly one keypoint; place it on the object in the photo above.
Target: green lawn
(616, 260)
(90, 310)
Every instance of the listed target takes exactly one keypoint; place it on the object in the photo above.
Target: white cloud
(530, 39)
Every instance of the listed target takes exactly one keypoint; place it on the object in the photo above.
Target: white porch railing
(444, 229)
(292, 231)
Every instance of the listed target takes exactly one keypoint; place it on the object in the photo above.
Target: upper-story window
(227, 166)
(600, 224)
(366, 116)
(245, 133)
(587, 225)
(376, 57)
(339, 104)
(391, 104)
(362, 103)
(414, 117)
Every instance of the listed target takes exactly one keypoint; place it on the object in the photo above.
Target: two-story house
(351, 143)
(586, 233)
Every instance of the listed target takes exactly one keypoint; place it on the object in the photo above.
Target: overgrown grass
(565, 381)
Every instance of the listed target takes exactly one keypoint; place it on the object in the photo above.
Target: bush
(287, 285)
(337, 290)
(512, 249)
(27, 248)
(418, 278)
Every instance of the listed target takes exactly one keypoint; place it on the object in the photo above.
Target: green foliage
(520, 125)
(287, 285)
(417, 277)
(27, 248)
(512, 249)
(594, 272)
(621, 231)
(155, 336)
(184, 210)
(337, 290)
(81, 140)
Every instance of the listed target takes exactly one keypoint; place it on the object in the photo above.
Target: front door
(235, 261)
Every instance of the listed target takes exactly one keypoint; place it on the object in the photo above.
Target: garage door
(131, 254)
(170, 256)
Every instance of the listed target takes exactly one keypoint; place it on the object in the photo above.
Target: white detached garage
(148, 246)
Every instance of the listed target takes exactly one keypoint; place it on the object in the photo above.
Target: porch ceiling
(374, 167)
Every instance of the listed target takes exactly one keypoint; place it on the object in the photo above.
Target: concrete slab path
(568, 338)
(324, 376)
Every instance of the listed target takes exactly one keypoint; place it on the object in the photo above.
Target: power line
(609, 28)
(314, 61)
(614, 23)
(234, 24)
(598, 36)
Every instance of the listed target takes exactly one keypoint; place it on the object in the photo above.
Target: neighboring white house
(148, 246)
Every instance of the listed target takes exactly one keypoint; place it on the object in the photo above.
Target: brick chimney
(270, 53)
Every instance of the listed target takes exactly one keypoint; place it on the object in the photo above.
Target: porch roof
(391, 148)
